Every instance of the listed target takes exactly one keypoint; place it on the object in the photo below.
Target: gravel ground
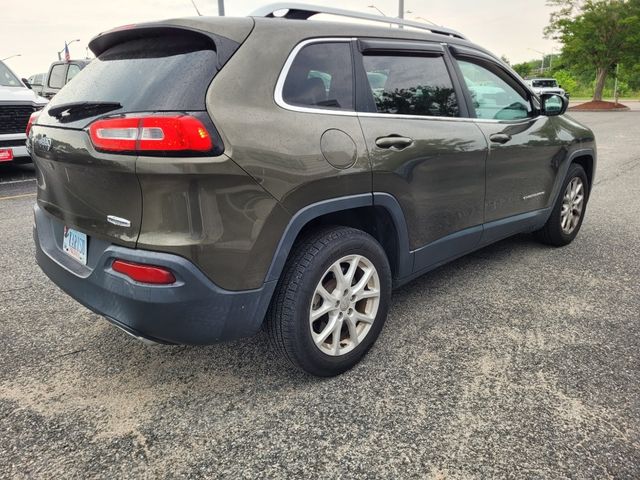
(518, 361)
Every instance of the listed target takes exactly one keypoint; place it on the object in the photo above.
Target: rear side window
(56, 77)
(321, 76)
(159, 73)
(411, 85)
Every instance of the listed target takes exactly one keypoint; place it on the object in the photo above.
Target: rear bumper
(192, 311)
(17, 143)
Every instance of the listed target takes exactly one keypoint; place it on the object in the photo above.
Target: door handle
(394, 141)
(500, 138)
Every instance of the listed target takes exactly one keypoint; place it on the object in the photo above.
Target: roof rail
(301, 11)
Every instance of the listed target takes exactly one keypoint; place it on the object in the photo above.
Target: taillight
(144, 273)
(159, 133)
(32, 119)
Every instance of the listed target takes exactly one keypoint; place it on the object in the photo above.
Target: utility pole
(615, 86)
(221, 8)
(401, 10)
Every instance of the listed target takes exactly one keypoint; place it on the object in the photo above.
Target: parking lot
(518, 361)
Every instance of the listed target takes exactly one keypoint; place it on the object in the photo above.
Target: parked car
(260, 179)
(61, 73)
(546, 85)
(36, 82)
(17, 103)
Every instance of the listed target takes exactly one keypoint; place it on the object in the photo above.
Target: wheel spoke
(335, 338)
(577, 200)
(320, 338)
(362, 283)
(351, 272)
(341, 282)
(367, 294)
(324, 293)
(363, 317)
(353, 331)
(323, 310)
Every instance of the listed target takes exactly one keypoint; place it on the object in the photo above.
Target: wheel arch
(586, 159)
(378, 214)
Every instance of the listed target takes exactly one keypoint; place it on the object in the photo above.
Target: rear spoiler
(224, 47)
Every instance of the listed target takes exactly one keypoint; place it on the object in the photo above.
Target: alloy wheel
(344, 305)
(572, 205)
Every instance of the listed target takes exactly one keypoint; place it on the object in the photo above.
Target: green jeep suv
(205, 177)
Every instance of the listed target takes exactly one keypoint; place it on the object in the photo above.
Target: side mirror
(553, 104)
(26, 82)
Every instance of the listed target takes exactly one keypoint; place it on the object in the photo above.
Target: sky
(37, 29)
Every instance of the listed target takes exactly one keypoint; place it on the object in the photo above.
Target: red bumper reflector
(6, 154)
(144, 273)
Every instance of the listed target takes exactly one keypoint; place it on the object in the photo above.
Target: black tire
(552, 232)
(288, 318)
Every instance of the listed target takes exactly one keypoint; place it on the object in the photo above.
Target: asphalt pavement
(518, 361)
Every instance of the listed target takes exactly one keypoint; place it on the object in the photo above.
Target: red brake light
(32, 119)
(169, 133)
(144, 273)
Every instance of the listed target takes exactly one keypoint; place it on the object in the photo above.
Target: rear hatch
(153, 73)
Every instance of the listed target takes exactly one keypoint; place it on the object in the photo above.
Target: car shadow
(253, 361)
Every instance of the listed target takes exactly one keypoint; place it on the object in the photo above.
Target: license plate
(74, 244)
(6, 154)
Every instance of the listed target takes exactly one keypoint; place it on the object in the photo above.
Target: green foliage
(567, 80)
(596, 35)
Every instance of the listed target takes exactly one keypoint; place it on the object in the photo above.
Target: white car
(17, 103)
(546, 85)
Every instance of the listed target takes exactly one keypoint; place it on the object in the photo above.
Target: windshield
(7, 78)
(545, 84)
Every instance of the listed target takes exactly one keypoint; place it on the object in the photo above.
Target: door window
(493, 96)
(321, 76)
(56, 77)
(411, 85)
(72, 72)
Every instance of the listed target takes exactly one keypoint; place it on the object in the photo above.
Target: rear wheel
(332, 300)
(568, 212)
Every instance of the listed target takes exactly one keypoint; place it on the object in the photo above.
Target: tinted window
(411, 85)
(72, 72)
(321, 76)
(56, 77)
(166, 73)
(8, 79)
(494, 96)
(545, 83)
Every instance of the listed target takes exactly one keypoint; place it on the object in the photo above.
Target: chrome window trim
(285, 71)
(278, 98)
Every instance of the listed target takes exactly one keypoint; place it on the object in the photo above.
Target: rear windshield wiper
(76, 110)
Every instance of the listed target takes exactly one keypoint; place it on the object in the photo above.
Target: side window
(321, 76)
(411, 85)
(56, 76)
(492, 96)
(72, 72)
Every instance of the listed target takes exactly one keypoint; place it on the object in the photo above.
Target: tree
(598, 34)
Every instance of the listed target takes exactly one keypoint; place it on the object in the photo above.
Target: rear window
(321, 76)
(149, 74)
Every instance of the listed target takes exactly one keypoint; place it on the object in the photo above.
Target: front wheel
(568, 212)
(331, 301)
